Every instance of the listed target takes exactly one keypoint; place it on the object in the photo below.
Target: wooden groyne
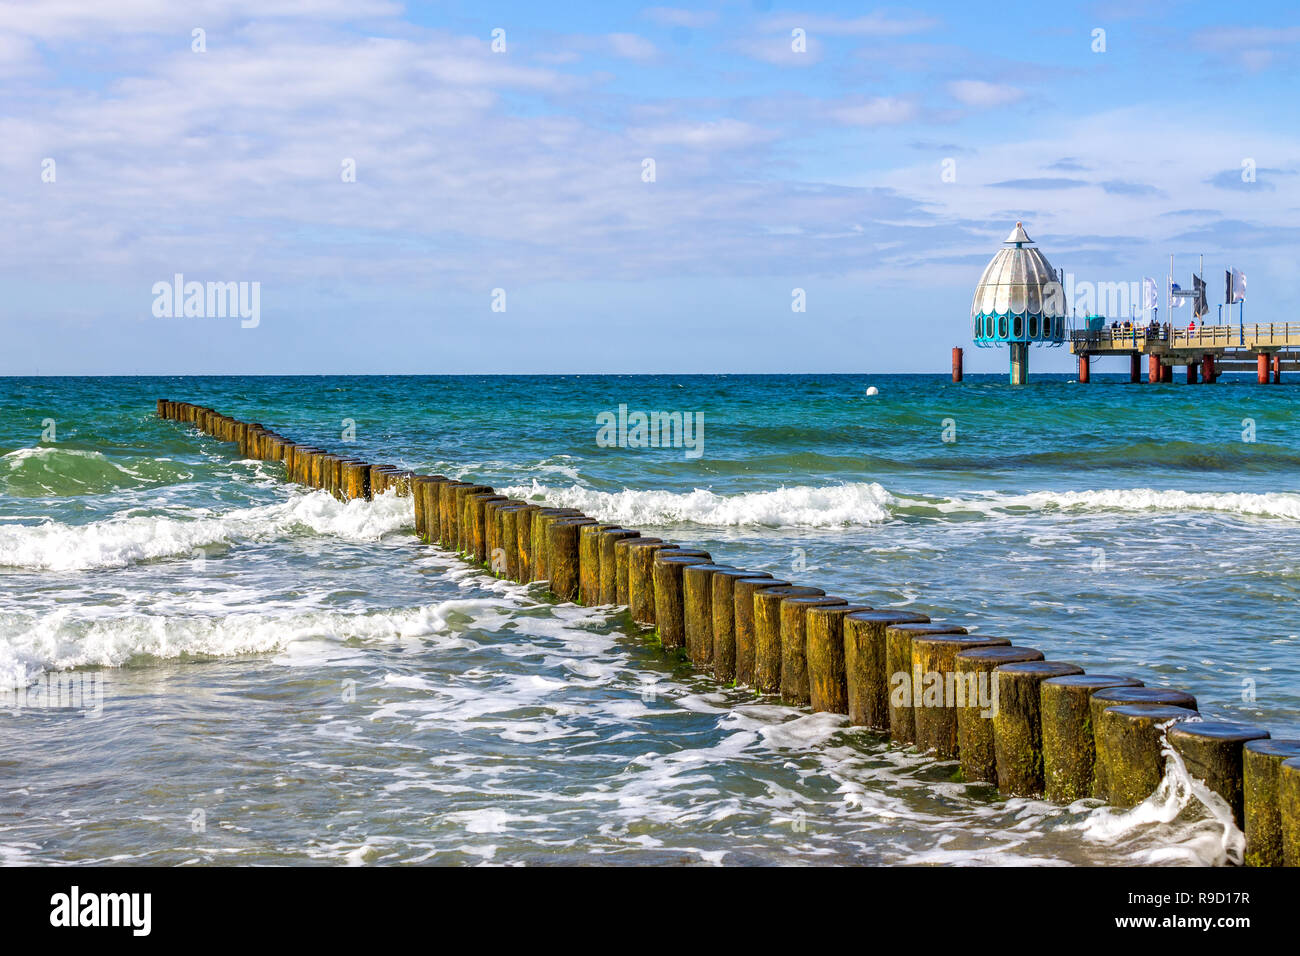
(1014, 720)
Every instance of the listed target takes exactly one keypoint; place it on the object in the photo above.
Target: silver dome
(1018, 281)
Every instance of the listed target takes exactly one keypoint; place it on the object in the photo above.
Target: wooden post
(1069, 754)
(697, 597)
(865, 675)
(793, 618)
(621, 552)
(975, 745)
(1288, 787)
(723, 604)
(1018, 725)
(459, 519)
(904, 681)
(742, 613)
(934, 658)
(609, 563)
(1113, 696)
(640, 577)
(1212, 750)
(524, 542)
(543, 518)
(1261, 776)
(767, 633)
(562, 556)
(475, 512)
(589, 562)
(670, 608)
(824, 649)
(1129, 739)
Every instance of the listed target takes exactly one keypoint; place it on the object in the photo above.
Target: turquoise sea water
(288, 679)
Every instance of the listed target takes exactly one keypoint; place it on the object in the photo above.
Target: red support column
(1134, 367)
(956, 363)
(1207, 368)
(1277, 369)
(1153, 369)
(1166, 373)
(1191, 373)
(1083, 368)
(1262, 365)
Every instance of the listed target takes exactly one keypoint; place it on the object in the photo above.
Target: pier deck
(1181, 346)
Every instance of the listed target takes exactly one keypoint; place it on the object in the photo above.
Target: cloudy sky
(877, 168)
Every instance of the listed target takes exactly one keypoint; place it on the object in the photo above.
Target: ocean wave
(1278, 504)
(123, 541)
(52, 471)
(800, 506)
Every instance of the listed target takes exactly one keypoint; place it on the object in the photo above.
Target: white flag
(1238, 286)
(1175, 300)
(1149, 294)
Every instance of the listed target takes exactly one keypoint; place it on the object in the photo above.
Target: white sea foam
(801, 506)
(1280, 504)
(121, 541)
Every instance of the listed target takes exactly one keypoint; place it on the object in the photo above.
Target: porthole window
(1002, 326)
(1019, 327)
(1033, 326)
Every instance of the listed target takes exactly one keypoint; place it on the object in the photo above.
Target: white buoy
(872, 390)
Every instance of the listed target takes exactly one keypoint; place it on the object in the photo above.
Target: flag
(1235, 284)
(1149, 294)
(1175, 300)
(1200, 307)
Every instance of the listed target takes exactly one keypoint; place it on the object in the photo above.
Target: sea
(201, 663)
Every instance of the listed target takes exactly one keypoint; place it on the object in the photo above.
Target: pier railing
(1009, 717)
(1148, 338)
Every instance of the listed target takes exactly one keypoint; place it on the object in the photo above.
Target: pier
(1206, 351)
(1010, 716)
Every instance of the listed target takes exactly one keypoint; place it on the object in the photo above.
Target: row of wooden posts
(1031, 726)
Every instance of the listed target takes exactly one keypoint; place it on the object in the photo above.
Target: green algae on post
(1261, 776)
(1017, 724)
(1069, 752)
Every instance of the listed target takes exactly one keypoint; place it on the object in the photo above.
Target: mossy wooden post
(609, 562)
(974, 670)
(1018, 724)
(460, 507)
(401, 480)
(866, 676)
(1212, 751)
(934, 657)
(589, 562)
(1109, 697)
(524, 542)
(742, 617)
(697, 599)
(640, 577)
(767, 633)
(723, 603)
(1069, 752)
(562, 546)
(1261, 777)
(793, 616)
(508, 536)
(670, 604)
(1130, 738)
(828, 689)
(543, 518)
(476, 508)
(621, 552)
(1288, 788)
(359, 480)
(496, 552)
(904, 681)
(379, 478)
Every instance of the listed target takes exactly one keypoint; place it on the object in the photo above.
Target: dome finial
(1018, 235)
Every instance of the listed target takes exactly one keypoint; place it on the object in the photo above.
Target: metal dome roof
(1014, 282)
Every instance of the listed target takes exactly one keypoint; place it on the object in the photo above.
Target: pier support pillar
(1134, 368)
(1019, 363)
(1207, 368)
(1263, 368)
(1277, 369)
(1153, 369)
(1191, 373)
(1084, 367)
(956, 363)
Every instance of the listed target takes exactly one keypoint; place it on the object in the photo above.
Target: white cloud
(879, 111)
(675, 17)
(631, 46)
(872, 25)
(982, 94)
(718, 134)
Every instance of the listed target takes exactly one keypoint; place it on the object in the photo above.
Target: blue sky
(522, 170)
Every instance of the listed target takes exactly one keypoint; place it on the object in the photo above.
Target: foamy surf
(121, 541)
(801, 506)
(1281, 504)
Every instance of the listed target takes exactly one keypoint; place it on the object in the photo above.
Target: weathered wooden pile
(1030, 726)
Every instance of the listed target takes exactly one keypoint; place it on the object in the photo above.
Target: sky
(471, 187)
